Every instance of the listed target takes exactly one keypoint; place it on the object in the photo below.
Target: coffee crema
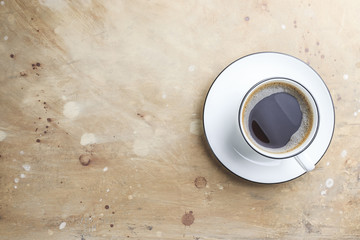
(277, 117)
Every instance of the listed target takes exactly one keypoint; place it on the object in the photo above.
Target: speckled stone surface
(100, 120)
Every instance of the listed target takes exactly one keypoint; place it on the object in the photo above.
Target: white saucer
(221, 110)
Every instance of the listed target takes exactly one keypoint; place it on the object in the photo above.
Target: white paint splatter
(164, 95)
(2, 3)
(108, 190)
(2, 135)
(105, 169)
(88, 138)
(283, 26)
(26, 167)
(6, 38)
(346, 77)
(221, 187)
(16, 180)
(323, 192)
(71, 110)
(191, 68)
(328, 163)
(130, 197)
(343, 153)
(62, 225)
(355, 114)
(195, 127)
(15, 187)
(141, 147)
(22, 175)
(329, 183)
(100, 200)
(58, 30)
(22, 152)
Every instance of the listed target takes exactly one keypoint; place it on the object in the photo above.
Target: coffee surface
(277, 117)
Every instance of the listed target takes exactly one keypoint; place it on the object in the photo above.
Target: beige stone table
(100, 120)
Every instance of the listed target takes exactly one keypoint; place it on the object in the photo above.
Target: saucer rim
(211, 86)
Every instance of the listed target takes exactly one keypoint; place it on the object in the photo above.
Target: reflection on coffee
(277, 117)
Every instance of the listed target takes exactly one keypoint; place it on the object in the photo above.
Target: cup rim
(277, 156)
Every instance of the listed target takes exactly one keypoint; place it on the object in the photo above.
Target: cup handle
(305, 162)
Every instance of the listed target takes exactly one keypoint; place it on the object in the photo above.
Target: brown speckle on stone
(200, 182)
(85, 159)
(188, 218)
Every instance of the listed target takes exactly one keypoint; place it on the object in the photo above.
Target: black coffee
(275, 119)
(277, 116)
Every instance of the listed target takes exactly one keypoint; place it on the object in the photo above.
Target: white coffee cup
(300, 140)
